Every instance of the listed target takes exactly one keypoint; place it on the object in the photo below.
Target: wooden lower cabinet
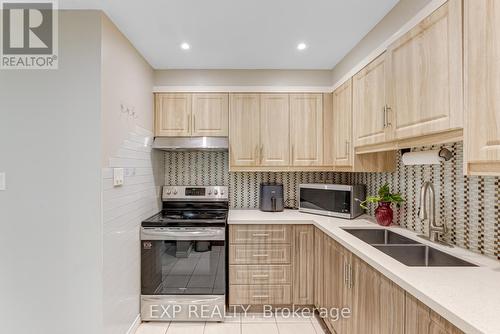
(422, 320)
(376, 303)
(392, 305)
(259, 254)
(261, 262)
(301, 265)
(260, 274)
(260, 294)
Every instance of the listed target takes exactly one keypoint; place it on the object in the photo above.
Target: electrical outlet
(118, 176)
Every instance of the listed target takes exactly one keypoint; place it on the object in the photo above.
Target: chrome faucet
(434, 231)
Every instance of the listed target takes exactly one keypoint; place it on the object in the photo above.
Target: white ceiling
(237, 34)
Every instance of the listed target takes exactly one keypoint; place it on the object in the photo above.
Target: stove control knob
(175, 191)
(168, 191)
(209, 191)
(222, 192)
(215, 192)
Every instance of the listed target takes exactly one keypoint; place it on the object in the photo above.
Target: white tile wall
(124, 208)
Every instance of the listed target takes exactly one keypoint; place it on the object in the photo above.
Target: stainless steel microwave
(335, 200)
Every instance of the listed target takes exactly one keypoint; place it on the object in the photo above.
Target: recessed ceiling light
(301, 46)
(185, 46)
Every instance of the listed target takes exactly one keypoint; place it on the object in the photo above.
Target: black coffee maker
(271, 197)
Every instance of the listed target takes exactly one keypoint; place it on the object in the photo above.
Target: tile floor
(249, 324)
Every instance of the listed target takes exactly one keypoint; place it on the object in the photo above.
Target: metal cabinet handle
(346, 279)
(260, 276)
(347, 148)
(385, 116)
(260, 255)
(387, 123)
(260, 234)
(258, 296)
(350, 276)
(293, 154)
(261, 153)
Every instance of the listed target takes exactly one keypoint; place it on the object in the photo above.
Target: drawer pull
(260, 255)
(260, 234)
(260, 296)
(260, 276)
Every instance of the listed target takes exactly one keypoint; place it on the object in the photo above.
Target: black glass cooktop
(187, 218)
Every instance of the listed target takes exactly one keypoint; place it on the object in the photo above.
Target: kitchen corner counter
(468, 297)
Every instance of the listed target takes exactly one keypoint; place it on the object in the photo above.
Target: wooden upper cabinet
(306, 129)
(173, 115)
(328, 135)
(210, 115)
(244, 132)
(342, 120)
(274, 130)
(482, 87)
(424, 71)
(371, 125)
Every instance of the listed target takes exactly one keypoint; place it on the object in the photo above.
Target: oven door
(182, 268)
(326, 200)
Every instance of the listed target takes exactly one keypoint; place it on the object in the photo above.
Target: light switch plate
(118, 176)
(3, 186)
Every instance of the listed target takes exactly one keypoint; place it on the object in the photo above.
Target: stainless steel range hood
(191, 143)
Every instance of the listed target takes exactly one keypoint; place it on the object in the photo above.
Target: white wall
(243, 78)
(127, 79)
(69, 243)
(50, 238)
(388, 26)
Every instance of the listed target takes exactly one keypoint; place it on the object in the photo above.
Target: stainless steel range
(183, 256)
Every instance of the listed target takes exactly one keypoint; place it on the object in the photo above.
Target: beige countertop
(468, 297)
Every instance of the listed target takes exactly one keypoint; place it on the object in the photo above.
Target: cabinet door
(173, 115)
(364, 289)
(318, 268)
(392, 307)
(210, 115)
(417, 316)
(369, 106)
(424, 72)
(334, 281)
(482, 86)
(306, 129)
(303, 269)
(342, 125)
(420, 319)
(274, 130)
(244, 129)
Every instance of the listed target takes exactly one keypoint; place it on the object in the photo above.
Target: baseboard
(133, 328)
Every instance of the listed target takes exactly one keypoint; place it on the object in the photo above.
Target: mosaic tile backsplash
(211, 168)
(470, 206)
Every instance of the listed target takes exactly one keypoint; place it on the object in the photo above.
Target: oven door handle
(195, 234)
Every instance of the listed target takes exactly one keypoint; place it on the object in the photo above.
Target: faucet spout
(429, 212)
(422, 212)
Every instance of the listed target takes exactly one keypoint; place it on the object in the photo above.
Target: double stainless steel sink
(407, 251)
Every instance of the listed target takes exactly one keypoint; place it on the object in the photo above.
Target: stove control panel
(193, 193)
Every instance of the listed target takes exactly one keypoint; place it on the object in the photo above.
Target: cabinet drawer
(259, 254)
(260, 294)
(260, 274)
(260, 234)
